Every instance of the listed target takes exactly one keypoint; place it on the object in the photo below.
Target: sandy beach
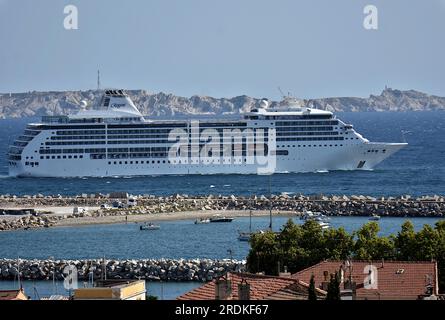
(170, 216)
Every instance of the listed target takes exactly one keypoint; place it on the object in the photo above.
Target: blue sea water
(417, 169)
(38, 289)
(175, 239)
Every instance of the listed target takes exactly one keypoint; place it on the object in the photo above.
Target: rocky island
(29, 104)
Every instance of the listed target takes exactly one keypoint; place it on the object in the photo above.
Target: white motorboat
(324, 225)
(149, 226)
(202, 221)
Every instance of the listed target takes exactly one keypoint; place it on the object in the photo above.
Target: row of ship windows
(62, 157)
(78, 143)
(329, 133)
(170, 126)
(32, 164)
(280, 117)
(73, 135)
(167, 131)
(306, 123)
(311, 145)
(163, 155)
(166, 154)
(376, 151)
(146, 155)
(167, 141)
(175, 162)
(282, 129)
(311, 139)
(152, 149)
(157, 151)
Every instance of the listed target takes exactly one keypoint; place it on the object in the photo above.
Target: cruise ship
(114, 139)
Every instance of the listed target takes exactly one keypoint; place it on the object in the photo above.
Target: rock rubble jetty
(146, 269)
(354, 205)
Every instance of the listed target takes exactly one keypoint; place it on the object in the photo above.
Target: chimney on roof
(223, 288)
(285, 274)
(325, 282)
(383, 262)
(244, 290)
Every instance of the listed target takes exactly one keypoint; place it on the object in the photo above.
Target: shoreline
(29, 213)
(173, 216)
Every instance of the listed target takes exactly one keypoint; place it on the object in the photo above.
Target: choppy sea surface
(417, 169)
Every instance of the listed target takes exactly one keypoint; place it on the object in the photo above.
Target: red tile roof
(261, 288)
(395, 279)
(12, 295)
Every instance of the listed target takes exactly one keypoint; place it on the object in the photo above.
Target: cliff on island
(17, 105)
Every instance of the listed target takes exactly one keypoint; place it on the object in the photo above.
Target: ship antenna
(98, 80)
(282, 93)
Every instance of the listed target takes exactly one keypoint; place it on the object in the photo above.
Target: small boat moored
(374, 217)
(244, 236)
(324, 225)
(218, 218)
(202, 221)
(149, 226)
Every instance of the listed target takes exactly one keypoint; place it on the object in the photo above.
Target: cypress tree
(312, 293)
(334, 288)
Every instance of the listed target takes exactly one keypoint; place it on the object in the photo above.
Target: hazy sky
(311, 48)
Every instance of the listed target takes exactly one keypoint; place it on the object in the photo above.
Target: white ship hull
(315, 160)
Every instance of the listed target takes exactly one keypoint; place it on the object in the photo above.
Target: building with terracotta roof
(381, 280)
(247, 286)
(18, 294)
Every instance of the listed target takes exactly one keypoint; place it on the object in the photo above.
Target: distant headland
(29, 104)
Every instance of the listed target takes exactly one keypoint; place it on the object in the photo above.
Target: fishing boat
(149, 226)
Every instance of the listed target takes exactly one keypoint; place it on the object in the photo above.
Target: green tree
(334, 288)
(405, 242)
(312, 292)
(369, 246)
(263, 255)
(337, 244)
(427, 243)
(312, 242)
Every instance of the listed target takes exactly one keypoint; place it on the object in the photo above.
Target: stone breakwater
(30, 222)
(146, 269)
(355, 205)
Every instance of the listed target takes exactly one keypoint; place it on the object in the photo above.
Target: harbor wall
(145, 269)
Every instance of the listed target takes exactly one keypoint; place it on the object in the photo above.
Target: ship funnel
(118, 100)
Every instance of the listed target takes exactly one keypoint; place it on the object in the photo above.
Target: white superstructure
(116, 140)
